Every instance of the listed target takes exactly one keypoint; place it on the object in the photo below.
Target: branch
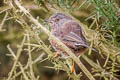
(70, 53)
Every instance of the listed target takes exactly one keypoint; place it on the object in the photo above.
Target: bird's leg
(73, 66)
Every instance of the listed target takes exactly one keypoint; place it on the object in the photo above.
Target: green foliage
(34, 54)
(66, 4)
(107, 9)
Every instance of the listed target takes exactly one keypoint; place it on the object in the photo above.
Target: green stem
(114, 39)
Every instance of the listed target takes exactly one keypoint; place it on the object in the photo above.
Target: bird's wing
(72, 34)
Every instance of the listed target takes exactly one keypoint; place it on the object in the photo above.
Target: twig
(3, 21)
(16, 61)
(30, 57)
(17, 57)
(42, 46)
(83, 68)
(39, 58)
(96, 66)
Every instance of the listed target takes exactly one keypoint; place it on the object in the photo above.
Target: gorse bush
(31, 57)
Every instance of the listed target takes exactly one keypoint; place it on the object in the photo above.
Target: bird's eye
(56, 20)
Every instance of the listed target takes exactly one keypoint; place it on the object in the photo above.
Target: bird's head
(58, 18)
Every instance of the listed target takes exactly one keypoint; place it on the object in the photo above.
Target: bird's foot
(56, 54)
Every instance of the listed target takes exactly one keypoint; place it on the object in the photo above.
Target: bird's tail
(86, 46)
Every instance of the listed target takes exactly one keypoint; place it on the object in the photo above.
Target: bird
(69, 32)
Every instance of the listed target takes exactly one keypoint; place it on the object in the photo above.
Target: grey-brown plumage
(69, 32)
